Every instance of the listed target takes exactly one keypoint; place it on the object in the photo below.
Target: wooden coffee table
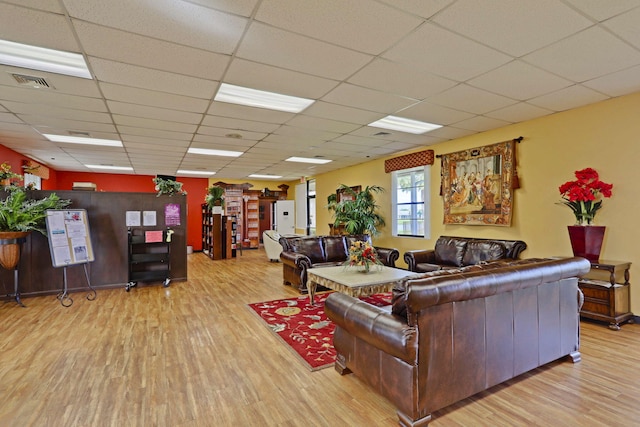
(350, 281)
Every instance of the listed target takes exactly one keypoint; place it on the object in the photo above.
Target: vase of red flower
(584, 197)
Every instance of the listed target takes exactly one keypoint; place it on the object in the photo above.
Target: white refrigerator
(285, 217)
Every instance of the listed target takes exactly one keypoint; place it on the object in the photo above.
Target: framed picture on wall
(343, 195)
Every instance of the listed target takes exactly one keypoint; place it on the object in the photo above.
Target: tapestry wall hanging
(477, 184)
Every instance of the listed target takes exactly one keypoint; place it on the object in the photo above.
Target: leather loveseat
(453, 333)
(301, 253)
(456, 252)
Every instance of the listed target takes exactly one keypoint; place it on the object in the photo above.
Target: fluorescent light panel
(82, 140)
(210, 152)
(308, 160)
(116, 168)
(187, 172)
(257, 175)
(261, 99)
(43, 59)
(404, 125)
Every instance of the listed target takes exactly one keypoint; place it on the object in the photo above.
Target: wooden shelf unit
(218, 234)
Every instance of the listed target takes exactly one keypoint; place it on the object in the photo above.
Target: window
(411, 202)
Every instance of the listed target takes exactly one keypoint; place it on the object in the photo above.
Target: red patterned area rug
(304, 327)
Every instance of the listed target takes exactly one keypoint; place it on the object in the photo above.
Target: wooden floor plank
(193, 354)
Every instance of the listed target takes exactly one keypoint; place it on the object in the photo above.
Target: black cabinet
(149, 256)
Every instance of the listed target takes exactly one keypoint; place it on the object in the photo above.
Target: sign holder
(70, 244)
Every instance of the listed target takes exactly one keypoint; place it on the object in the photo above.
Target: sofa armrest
(379, 328)
(419, 256)
(295, 260)
(388, 256)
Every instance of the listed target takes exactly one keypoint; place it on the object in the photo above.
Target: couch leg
(406, 421)
(341, 365)
(575, 356)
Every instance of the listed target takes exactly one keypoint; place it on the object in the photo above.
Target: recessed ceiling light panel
(210, 152)
(261, 99)
(404, 125)
(188, 172)
(257, 175)
(43, 59)
(82, 140)
(308, 160)
(115, 168)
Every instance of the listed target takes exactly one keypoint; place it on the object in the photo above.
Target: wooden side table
(607, 298)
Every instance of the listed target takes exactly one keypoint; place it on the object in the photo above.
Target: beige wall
(604, 136)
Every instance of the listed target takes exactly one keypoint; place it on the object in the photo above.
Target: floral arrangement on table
(7, 175)
(168, 186)
(584, 195)
(362, 254)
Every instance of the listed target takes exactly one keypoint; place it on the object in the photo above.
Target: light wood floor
(194, 355)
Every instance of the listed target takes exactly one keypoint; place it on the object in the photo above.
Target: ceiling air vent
(78, 133)
(31, 81)
(382, 134)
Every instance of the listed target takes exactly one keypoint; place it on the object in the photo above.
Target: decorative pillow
(480, 251)
(450, 251)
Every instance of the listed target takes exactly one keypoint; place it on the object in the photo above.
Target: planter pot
(10, 246)
(586, 241)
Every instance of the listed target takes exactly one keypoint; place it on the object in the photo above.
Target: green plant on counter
(215, 196)
(168, 186)
(18, 213)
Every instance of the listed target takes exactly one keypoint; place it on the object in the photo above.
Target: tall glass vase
(586, 240)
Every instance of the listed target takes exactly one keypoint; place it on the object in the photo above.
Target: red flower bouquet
(584, 195)
(362, 254)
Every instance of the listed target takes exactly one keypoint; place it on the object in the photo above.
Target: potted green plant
(358, 212)
(215, 196)
(20, 215)
(168, 186)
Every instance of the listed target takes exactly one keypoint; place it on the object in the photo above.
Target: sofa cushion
(483, 251)
(450, 251)
(311, 247)
(335, 248)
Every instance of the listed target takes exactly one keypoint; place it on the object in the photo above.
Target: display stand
(70, 244)
(149, 256)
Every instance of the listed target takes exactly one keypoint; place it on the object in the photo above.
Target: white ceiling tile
(446, 54)
(519, 80)
(154, 133)
(450, 132)
(512, 27)
(341, 112)
(204, 131)
(123, 108)
(204, 140)
(586, 55)
(61, 126)
(153, 98)
(282, 49)
(239, 7)
(626, 26)
(231, 123)
(8, 117)
(122, 120)
(481, 123)
(44, 5)
(248, 113)
(432, 113)
(273, 79)
(180, 22)
(471, 99)
(45, 29)
(359, 97)
(52, 98)
(152, 53)
(58, 112)
(425, 9)
(387, 76)
(617, 84)
(361, 25)
(316, 123)
(306, 133)
(519, 112)
(568, 98)
(131, 75)
(601, 10)
(60, 84)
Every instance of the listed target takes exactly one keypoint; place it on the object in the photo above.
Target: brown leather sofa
(455, 252)
(453, 333)
(301, 253)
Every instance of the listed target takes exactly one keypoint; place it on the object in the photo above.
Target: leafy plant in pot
(215, 196)
(358, 212)
(20, 215)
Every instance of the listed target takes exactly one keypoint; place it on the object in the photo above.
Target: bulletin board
(69, 238)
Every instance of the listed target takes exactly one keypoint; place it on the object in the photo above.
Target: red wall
(196, 188)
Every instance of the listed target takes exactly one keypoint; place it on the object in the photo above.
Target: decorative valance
(408, 161)
(477, 184)
(35, 168)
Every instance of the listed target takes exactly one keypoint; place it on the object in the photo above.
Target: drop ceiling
(157, 64)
